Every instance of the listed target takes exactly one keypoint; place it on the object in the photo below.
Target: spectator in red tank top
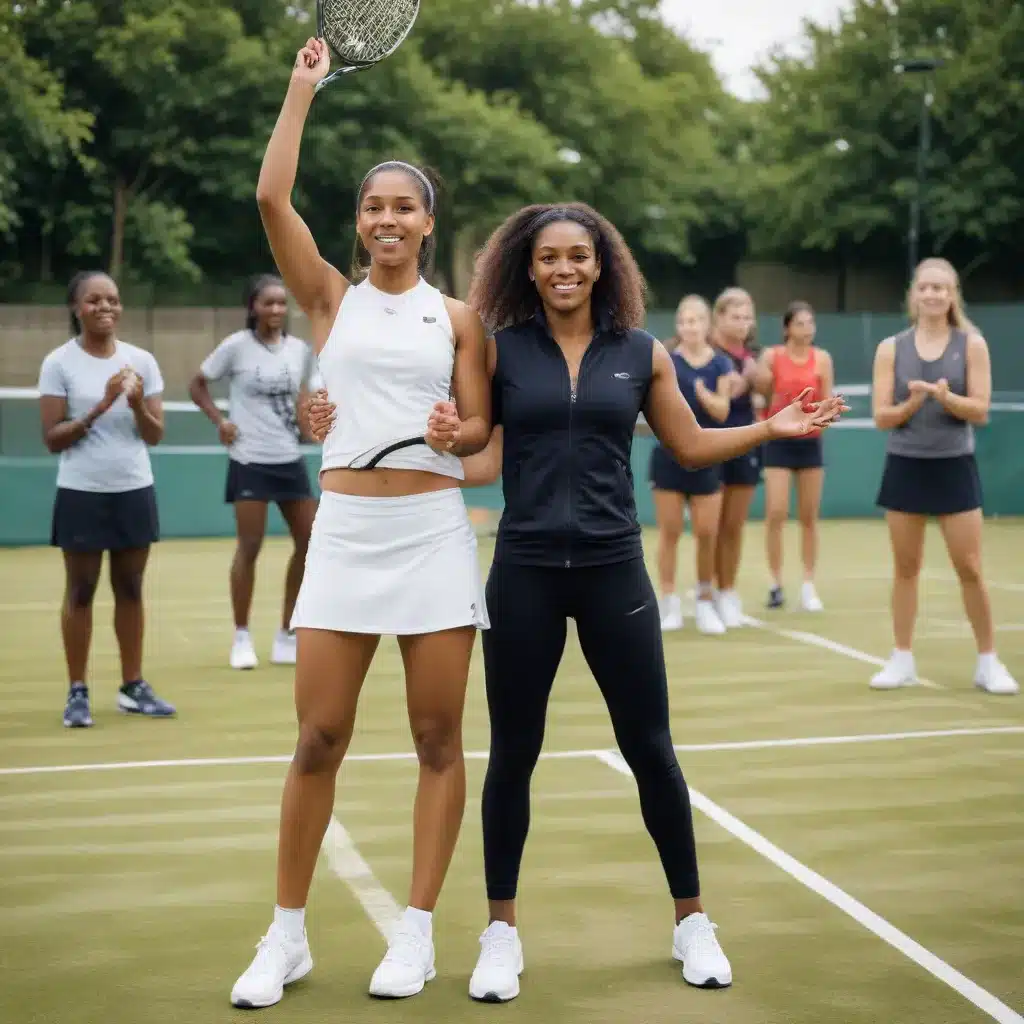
(784, 372)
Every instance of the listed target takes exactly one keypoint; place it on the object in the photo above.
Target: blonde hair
(733, 297)
(956, 316)
(694, 300)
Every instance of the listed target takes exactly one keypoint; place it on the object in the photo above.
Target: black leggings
(617, 620)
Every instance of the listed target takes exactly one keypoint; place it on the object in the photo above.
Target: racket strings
(369, 30)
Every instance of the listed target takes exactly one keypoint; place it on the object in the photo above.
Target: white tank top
(386, 362)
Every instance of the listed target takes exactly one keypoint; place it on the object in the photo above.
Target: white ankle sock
(291, 922)
(422, 919)
(241, 633)
(987, 662)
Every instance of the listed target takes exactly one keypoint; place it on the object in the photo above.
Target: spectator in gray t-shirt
(101, 405)
(268, 372)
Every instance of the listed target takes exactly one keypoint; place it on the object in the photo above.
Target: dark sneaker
(776, 599)
(76, 712)
(138, 699)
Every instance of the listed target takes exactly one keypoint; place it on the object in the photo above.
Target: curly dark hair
(503, 294)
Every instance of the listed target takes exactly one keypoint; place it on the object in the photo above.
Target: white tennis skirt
(391, 566)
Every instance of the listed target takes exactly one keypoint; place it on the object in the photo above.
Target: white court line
(971, 991)
(547, 755)
(813, 640)
(348, 864)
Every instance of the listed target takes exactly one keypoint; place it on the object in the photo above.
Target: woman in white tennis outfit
(392, 550)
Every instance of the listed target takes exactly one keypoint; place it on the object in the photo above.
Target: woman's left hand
(320, 412)
(802, 417)
(443, 427)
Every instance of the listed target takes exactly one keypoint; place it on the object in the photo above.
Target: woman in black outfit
(571, 372)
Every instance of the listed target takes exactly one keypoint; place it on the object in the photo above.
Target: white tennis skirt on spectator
(391, 566)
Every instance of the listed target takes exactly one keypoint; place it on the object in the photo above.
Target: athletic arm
(888, 415)
(149, 417)
(471, 379)
(484, 467)
(676, 427)
(763, 376)
(826, 373)
(974, 406)
(317, 286)
(60, 433)
(199, 392)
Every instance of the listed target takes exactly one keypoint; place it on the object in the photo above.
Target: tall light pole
(919, 66)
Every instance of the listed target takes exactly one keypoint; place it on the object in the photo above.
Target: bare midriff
(384, 483)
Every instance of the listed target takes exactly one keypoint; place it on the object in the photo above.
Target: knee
(320, 750)
(249, 548)
(705, 533)
(438, 743)
(808, 522)
(670, 536)
(127, 587)
(80, 591)
(775, 516)
(968, 570)
(907, 567)
(651, 756)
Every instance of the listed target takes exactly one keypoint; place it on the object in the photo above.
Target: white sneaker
(283, 651)
(279, 961)
(671, 609)
(809, 600)
(730, 608)
(496, 975)
(407, 966)
(898, 671)
(243, 654)
(995, 678)
(694, 944)
(706, 618)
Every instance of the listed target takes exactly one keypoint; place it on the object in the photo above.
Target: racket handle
(332, 76)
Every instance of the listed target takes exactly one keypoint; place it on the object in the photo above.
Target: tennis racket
(361, 33)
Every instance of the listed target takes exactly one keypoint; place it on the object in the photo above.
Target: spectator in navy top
(706, 379)
(732, 329)
(571, 372)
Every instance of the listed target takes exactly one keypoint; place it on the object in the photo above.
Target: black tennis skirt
(269, 482)
(930, 487)
(794, 453)
(665, 474)
(91, 521)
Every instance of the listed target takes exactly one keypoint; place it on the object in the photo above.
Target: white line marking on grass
(813, 640)
(348, 864)
(547, 755)
(971, 991)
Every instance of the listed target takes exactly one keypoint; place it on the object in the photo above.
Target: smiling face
(97, 304)
(564, 266)
(934, 292)
(393, 217)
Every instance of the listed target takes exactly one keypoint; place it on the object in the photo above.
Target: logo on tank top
(621, 376)
(430, 319)
(390, 311)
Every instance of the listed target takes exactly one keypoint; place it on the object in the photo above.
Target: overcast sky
(738, 32)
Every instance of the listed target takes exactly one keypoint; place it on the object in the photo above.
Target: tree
(37, 127)
(837, 138)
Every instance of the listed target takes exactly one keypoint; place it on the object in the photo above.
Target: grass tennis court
(138, 893)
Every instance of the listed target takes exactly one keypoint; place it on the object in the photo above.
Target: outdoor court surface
(862, 853)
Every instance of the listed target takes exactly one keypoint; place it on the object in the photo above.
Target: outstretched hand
(320, 411)
(443, 427)
(802, 417)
